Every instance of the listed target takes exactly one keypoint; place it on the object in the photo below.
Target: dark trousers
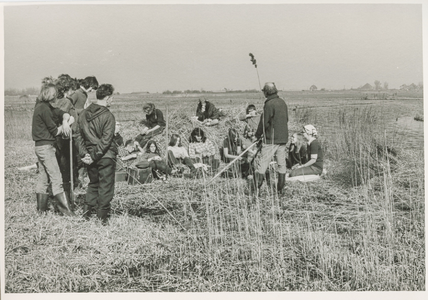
(101, 185)
(173, 161)
(159, 165)
(239, 167)
(63, 158)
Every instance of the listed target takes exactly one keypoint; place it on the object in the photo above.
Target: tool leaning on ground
(231, 163)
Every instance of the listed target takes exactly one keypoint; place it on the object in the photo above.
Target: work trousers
(267, 152)
(49, 172)
(63, 157)
(101, 185)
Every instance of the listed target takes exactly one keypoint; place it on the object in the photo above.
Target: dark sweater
(44, 128)
(155, 118)
(211, 112)
(79, 99)
(273, 123)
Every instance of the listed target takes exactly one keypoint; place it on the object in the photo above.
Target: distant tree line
(201, 91)
(18, 92)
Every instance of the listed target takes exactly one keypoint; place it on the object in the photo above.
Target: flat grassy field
(360, 228)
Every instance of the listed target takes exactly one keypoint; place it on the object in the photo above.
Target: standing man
(273, 127)
(79, 99)
(94, 137)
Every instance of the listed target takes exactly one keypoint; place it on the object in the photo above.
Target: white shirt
(179, 152)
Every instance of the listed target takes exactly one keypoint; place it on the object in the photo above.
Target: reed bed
(362, 233)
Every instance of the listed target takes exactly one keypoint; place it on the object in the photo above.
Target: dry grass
(363, 233)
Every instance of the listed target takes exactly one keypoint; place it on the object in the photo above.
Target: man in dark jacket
(273, 127)
(153, 125)
(94, 137)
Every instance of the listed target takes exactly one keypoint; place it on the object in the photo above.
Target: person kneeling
(314, 166)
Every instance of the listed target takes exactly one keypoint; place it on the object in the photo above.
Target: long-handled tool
(236, 158)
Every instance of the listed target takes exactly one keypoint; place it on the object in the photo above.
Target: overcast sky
(177, 47)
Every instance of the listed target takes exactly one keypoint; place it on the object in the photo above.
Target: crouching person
(44, 131)
(94, 138)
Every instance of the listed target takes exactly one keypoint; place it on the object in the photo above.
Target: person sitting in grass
(207, 113)
(177, 154)
(44, 132)
(202, 150)
(118, 139)
(232, 148)
(153, 125)
(151, 157)
(314, 165)
(252, 118)
(297, 152)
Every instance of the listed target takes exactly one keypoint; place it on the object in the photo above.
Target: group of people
(63, 122)
(71, 132)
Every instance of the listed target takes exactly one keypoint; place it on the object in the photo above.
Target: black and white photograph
(162, 148)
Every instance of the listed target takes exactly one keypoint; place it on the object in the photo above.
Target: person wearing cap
(273, 130)
(153, 125)
(314, 165)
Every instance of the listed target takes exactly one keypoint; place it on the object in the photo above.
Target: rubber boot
(259, 180)
(63, 204)
(267, 176)
(281, 183)
(87, 211)
(103, 216)
(42, 202)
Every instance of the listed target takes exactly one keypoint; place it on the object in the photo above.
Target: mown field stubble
(360, 228)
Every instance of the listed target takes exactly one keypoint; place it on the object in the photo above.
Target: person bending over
(153, 125)
(207, 113)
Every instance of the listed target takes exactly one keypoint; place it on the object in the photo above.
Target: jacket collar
(270, 97)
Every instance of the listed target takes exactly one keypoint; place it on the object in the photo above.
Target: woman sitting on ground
(252, 118)
(202, 150)
(151, 157)
(314, 166)
(297, 153)
(232, 148)
(178, 154)
(207, 113)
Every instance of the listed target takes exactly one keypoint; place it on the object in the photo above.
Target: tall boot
(103, 216)
(281, 183)
(87, 211)
(42, 202)
(267, 176)
(259, 180)
(63, 204)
